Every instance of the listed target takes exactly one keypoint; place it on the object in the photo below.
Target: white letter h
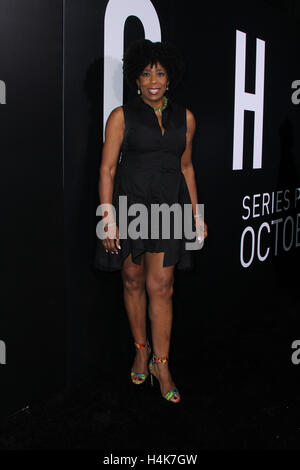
(248, 101)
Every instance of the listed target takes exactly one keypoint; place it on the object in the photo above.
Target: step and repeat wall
(32, 319)
(60, 76)
(242, 82)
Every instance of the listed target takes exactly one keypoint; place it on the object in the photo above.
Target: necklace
(162, 107)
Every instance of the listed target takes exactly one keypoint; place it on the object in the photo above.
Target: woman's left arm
(187, 165)
(186, 160)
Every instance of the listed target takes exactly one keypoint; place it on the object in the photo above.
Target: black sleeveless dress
(149, 172)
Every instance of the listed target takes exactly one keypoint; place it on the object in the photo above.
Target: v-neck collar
(165, 113)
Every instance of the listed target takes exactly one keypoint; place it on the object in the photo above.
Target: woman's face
(153, 82)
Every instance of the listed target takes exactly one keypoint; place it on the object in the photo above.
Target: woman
(155, 137)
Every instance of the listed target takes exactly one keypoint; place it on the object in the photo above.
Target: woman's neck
(154, 103)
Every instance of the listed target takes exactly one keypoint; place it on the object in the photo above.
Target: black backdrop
(223, 313)
(222, 308)
(32, 319)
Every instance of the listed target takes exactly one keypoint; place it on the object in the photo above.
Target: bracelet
(109, 225)
(197, 215)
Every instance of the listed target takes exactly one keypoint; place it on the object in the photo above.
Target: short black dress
(149, 172)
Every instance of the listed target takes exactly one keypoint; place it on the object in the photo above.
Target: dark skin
(150, 275)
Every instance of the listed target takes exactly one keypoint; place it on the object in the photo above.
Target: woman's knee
(160, 286)
(133, 280)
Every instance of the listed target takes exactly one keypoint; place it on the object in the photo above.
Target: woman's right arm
(114, 132)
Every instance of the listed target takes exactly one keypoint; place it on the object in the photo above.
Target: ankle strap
(156, 359)
(141, 345)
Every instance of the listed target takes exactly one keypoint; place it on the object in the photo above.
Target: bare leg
(159, 284)
(133, 276)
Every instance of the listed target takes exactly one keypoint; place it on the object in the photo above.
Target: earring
(167, 88)
(139, 92)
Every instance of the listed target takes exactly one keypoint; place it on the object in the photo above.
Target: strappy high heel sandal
(138, 377)
(174, 391)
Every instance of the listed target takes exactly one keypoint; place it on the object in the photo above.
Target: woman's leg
(159, 285)
(133, 276)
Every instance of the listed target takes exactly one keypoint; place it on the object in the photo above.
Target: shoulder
(116, 117)
(190, 118)
(117, 114)
(190, 121)
(115, 123)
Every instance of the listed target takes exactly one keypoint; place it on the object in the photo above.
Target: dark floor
(239, 388)
(236, 405)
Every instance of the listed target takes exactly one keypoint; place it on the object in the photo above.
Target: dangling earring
(167, 89)
(139, 91)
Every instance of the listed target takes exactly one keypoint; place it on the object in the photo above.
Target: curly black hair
(143, 52)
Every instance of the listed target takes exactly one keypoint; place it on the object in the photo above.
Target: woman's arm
(114, 132)
(187, 165)
(186, 160)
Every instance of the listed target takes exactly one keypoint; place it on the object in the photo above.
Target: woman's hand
(205, 230)
(201, 229)
(112, 241)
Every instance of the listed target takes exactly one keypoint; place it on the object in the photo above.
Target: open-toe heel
(138, 377)
(174, 391)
